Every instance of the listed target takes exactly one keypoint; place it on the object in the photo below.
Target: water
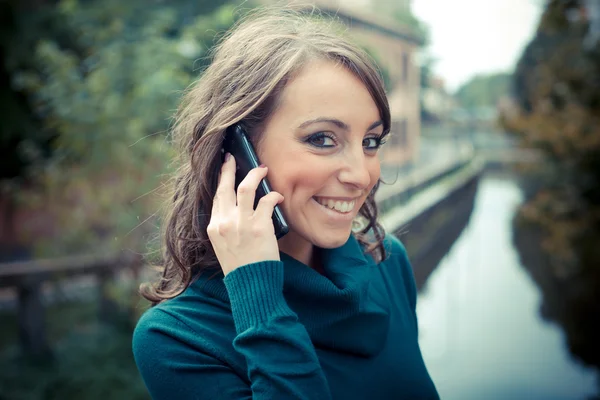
(481, 333)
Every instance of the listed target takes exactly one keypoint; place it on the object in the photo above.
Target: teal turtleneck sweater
(281, 330)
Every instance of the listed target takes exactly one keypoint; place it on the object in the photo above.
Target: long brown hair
(251, 65)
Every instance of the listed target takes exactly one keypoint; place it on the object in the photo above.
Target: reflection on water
(480, 330)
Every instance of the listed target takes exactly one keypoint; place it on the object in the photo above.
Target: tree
(557, 91)
(484, 90)
(401, 13)
(98, 90)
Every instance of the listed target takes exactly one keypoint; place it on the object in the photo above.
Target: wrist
(256, 293)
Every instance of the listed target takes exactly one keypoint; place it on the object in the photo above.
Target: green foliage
(427, 71)
(484, 90)
(92, 363)
(405, 18)
(90, 360)
(20, 130)
(103, 86)
(557, 87)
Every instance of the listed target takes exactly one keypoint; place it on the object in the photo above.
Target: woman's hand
(239, 234)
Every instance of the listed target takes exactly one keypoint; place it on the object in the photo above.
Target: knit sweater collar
(340, 309)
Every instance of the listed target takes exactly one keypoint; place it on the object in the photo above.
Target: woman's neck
(302, 250)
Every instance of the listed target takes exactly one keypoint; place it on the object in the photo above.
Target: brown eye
(321, 139)
(373, 143)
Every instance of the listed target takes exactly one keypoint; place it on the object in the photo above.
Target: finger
(246, 192)
(225, 194)
(265, 206)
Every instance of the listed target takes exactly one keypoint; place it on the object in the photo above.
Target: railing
(399, 209)
(29, 276)
(413, 194)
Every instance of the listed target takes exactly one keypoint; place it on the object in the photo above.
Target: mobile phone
(236, 143)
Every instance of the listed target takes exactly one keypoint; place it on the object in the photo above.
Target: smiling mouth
(343, 207)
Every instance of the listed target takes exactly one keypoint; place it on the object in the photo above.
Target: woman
(322, 313)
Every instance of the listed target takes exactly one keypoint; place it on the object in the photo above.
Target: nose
(355, 171)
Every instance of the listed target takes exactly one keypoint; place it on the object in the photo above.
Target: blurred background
(492, 182)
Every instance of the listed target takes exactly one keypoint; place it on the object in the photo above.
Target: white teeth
(341, 206)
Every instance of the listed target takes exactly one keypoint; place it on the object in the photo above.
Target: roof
(368, 20)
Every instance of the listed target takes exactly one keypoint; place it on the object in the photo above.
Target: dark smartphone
(238, 145)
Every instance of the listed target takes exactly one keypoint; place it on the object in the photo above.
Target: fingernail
(227, 157)
(262, 166)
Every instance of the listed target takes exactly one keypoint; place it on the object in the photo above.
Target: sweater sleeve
(172, 369)
(282, 362)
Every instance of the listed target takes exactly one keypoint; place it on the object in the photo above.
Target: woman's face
(321, 149)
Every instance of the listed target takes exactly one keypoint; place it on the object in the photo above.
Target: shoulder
(397, 265)
(178, 344)
(185, 321)
(396, 255)
(156, 335)
(168, 315)
(156, 327)
(394, 248)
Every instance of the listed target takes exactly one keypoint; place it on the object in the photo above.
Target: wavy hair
(250, 67)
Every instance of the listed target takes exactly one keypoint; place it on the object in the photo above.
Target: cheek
(296, 181)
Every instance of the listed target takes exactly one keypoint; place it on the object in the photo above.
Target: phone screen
(239, 146)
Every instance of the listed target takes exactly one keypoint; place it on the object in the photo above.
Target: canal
(481, 332)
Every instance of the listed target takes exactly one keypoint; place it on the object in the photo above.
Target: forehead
(325, 88)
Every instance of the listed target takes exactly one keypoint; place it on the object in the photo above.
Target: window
(405, 66)
(399, 133)
(395, 134)
(403, 133)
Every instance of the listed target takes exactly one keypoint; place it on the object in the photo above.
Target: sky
(469, 37)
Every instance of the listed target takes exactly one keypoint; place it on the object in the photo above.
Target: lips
(337, 205)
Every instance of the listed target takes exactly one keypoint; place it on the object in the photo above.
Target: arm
(172, 369)
(281, 360)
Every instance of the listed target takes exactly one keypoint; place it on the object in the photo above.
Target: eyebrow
(336, 122)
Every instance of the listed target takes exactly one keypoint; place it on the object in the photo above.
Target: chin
(332, 241)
